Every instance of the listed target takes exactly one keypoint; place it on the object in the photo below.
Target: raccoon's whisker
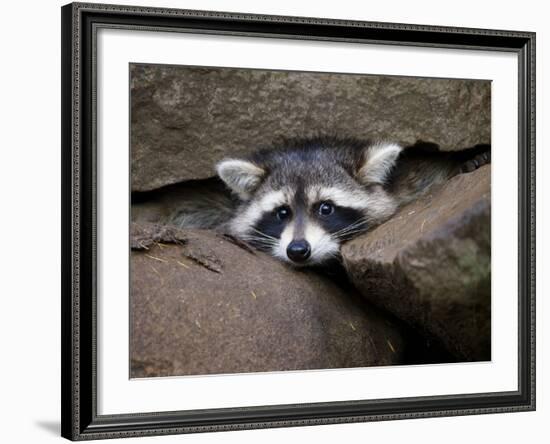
(264, 234)
(348, 234)
(259, 240)
(357, 222)
(352, 227)
(357, 229)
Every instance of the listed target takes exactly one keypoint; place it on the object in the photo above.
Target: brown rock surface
(206, 304)
(185, 119)
(430, 265)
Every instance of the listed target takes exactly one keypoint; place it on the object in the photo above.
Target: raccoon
(300, 201)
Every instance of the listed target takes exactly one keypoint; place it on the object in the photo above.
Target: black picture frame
(78, 332)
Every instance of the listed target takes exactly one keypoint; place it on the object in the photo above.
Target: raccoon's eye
(326, 208)
(283, 213)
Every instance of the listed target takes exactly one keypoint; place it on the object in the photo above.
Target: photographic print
(293, 220)
(274, 221)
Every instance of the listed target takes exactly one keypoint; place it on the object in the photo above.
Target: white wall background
(30, 220)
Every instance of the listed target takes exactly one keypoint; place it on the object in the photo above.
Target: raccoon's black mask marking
(340, 220)
(269, 226)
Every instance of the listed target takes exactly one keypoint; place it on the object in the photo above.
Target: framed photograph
(279, 221)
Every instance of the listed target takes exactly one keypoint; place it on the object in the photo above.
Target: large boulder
(430, 265)
(185, 119)
(202, 303)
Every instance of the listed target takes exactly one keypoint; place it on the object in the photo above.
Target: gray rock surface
(203, 304)
(184, 119)
(430, 265)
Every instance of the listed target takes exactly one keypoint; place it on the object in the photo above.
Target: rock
(185, 119)
(211, 305)
(430, 265)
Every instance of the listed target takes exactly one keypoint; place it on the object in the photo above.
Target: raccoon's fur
(301, 200)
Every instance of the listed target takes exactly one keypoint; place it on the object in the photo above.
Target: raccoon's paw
(476, 162)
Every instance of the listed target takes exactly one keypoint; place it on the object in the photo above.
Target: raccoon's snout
(298, 250)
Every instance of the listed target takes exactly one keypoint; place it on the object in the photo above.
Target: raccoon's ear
(242, 176)
(377, 162)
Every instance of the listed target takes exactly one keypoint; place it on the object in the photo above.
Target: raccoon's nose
(298, 250)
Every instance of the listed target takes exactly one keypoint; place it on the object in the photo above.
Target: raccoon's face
(301, 205)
